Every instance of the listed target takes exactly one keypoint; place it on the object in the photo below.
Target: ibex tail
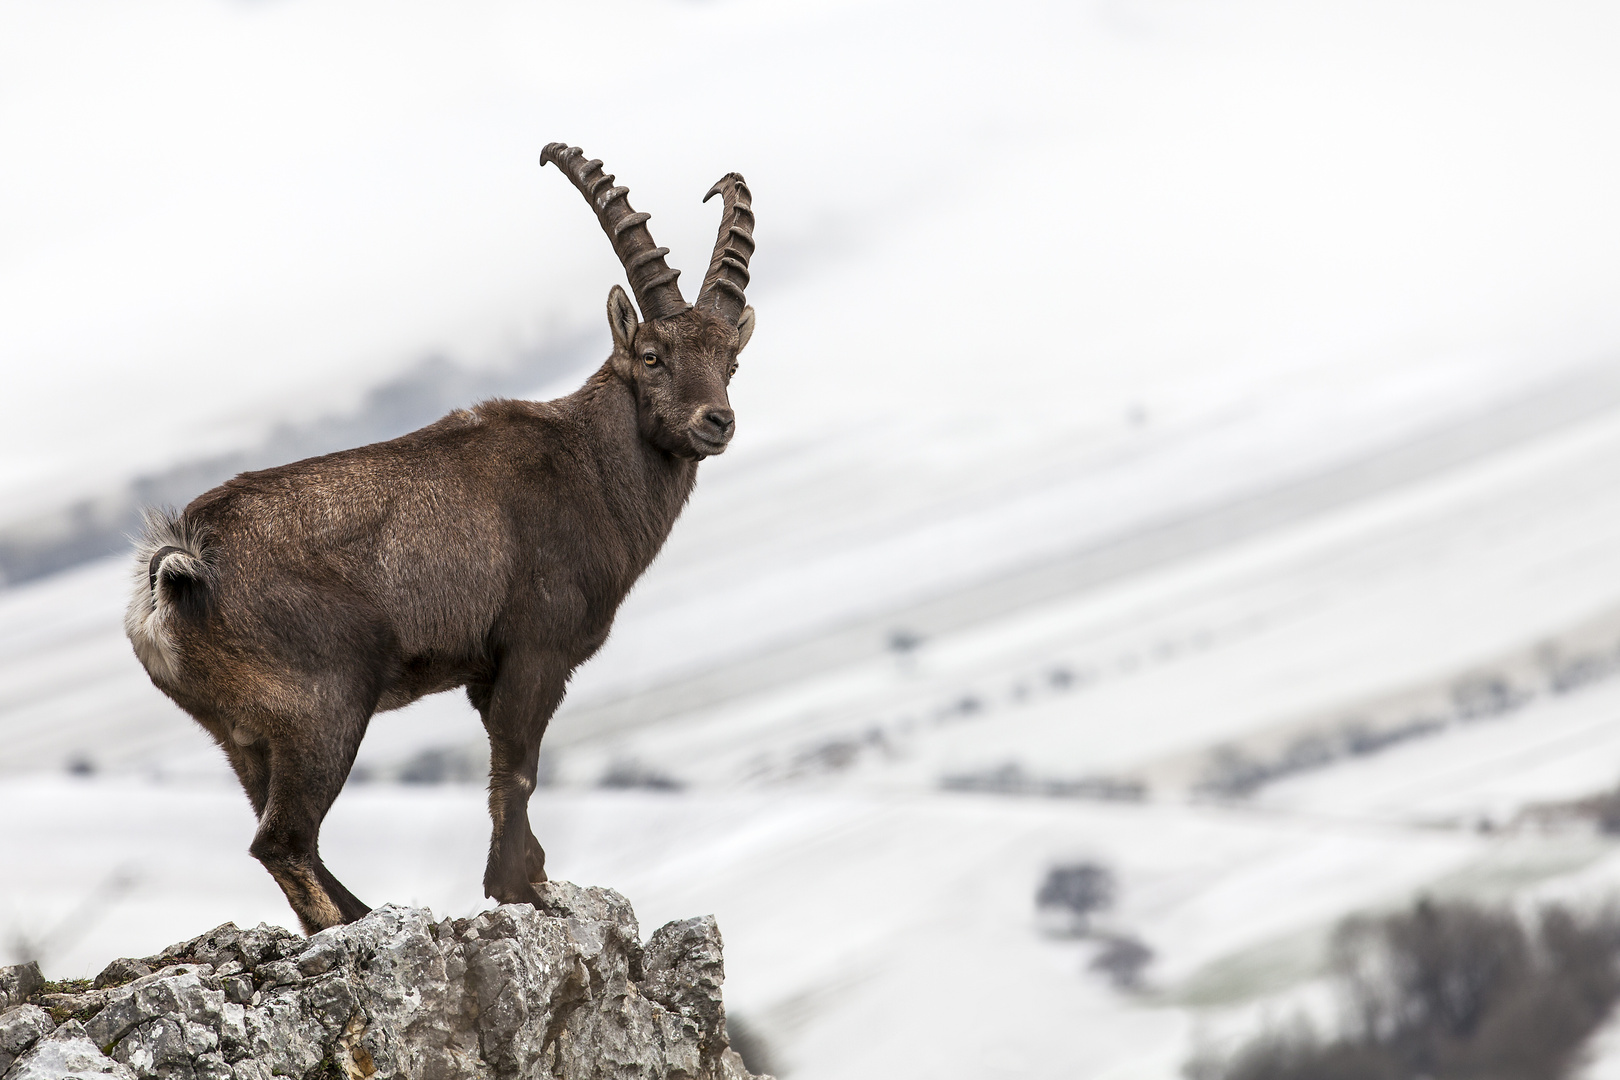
(172, 580)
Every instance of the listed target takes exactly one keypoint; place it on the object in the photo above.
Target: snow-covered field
(1141, 386)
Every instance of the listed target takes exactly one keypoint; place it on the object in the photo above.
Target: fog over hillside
(1179, 438)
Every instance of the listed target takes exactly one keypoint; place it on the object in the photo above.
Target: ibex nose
(722, 420)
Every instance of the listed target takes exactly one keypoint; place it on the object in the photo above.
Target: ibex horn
(728, 271)
(650, 277)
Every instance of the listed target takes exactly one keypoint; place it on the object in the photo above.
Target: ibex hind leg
(307, 769)
(516, 706)
(252, 767)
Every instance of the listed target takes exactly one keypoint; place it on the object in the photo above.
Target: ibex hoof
(526, 894)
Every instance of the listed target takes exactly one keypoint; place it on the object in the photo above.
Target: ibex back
(488, 550)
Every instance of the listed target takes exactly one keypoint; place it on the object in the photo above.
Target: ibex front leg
(516, 708)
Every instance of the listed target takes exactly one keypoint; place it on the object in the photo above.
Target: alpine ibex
(488, 550)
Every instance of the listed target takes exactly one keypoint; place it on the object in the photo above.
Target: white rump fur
(146, 619)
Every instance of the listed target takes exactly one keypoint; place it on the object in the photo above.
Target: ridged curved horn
(651, 279)
(723, 285)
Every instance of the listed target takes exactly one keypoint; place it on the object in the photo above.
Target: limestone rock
(21, 1028)
(66, 1053)
(121, 971)
(684, 971)
(18, 983)
(565, 991)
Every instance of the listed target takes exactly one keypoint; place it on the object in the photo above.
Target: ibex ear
(622, 321)
(745, 328)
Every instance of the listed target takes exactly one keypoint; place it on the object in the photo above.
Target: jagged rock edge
(176, 1014)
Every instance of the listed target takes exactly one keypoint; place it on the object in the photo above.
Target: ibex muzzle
(489, 550)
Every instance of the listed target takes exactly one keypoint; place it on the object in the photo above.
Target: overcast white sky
(216, 215)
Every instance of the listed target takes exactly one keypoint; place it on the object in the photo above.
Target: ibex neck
(645, 487)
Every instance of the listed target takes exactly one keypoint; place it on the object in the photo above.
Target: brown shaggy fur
(489, 550)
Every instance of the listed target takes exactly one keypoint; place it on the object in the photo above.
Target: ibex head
(678, 357)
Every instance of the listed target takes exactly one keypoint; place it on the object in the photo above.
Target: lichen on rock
(564, 991)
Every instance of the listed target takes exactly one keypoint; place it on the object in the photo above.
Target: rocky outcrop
(566, 991)
(18, 984)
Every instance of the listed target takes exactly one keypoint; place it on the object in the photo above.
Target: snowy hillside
(1184, 437)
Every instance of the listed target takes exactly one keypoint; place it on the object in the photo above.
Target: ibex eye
(651, 359)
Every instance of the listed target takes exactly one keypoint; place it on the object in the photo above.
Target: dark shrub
(1436, 969)
(1122, 959)
(443, 765)
(1070, 893)
(1299, 1055)
(1451, 991)
(633, 774)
